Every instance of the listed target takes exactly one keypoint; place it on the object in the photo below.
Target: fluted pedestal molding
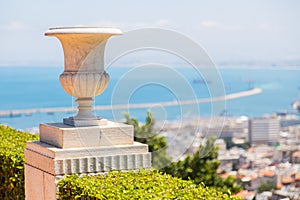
(91, 150)
(46, 164)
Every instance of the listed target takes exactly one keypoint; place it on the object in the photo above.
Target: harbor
(51, 111)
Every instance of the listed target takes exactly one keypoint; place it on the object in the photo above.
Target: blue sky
(230, 31)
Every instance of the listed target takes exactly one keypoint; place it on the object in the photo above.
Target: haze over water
(39, 87)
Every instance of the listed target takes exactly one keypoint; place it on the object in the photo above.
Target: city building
(264, 130)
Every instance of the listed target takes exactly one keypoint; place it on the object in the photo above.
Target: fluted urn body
(84, 76)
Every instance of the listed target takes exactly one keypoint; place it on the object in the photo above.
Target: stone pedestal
(66, 136)
(85, 143)
(65, 149)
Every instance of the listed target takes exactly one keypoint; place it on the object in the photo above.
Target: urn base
(72, 121)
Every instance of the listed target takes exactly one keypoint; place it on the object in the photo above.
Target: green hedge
(12, 144)
(114, 185)
(133, 185)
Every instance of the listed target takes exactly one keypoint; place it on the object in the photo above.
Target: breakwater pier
(15, 113)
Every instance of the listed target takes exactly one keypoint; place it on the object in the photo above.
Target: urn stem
(85, 106)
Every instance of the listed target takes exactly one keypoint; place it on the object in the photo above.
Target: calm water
(34, 87)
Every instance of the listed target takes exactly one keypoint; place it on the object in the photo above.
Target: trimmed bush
(134, 185)
(114, 185)
(12, 144)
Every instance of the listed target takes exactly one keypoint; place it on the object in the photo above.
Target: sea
(39, 87)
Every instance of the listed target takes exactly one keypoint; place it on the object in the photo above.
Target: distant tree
(230, 144)
(202, 168)
(145, 133)
(266, 187)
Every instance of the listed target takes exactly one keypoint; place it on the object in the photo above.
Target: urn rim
(83, 30)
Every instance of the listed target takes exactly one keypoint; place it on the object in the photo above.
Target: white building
(263, 130)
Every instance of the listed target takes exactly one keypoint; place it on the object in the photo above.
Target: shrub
(134, 185)
(266, 187)
(12, 144)
(202, 168)
(146, 134)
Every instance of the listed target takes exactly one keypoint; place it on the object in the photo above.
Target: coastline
(254, 91)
